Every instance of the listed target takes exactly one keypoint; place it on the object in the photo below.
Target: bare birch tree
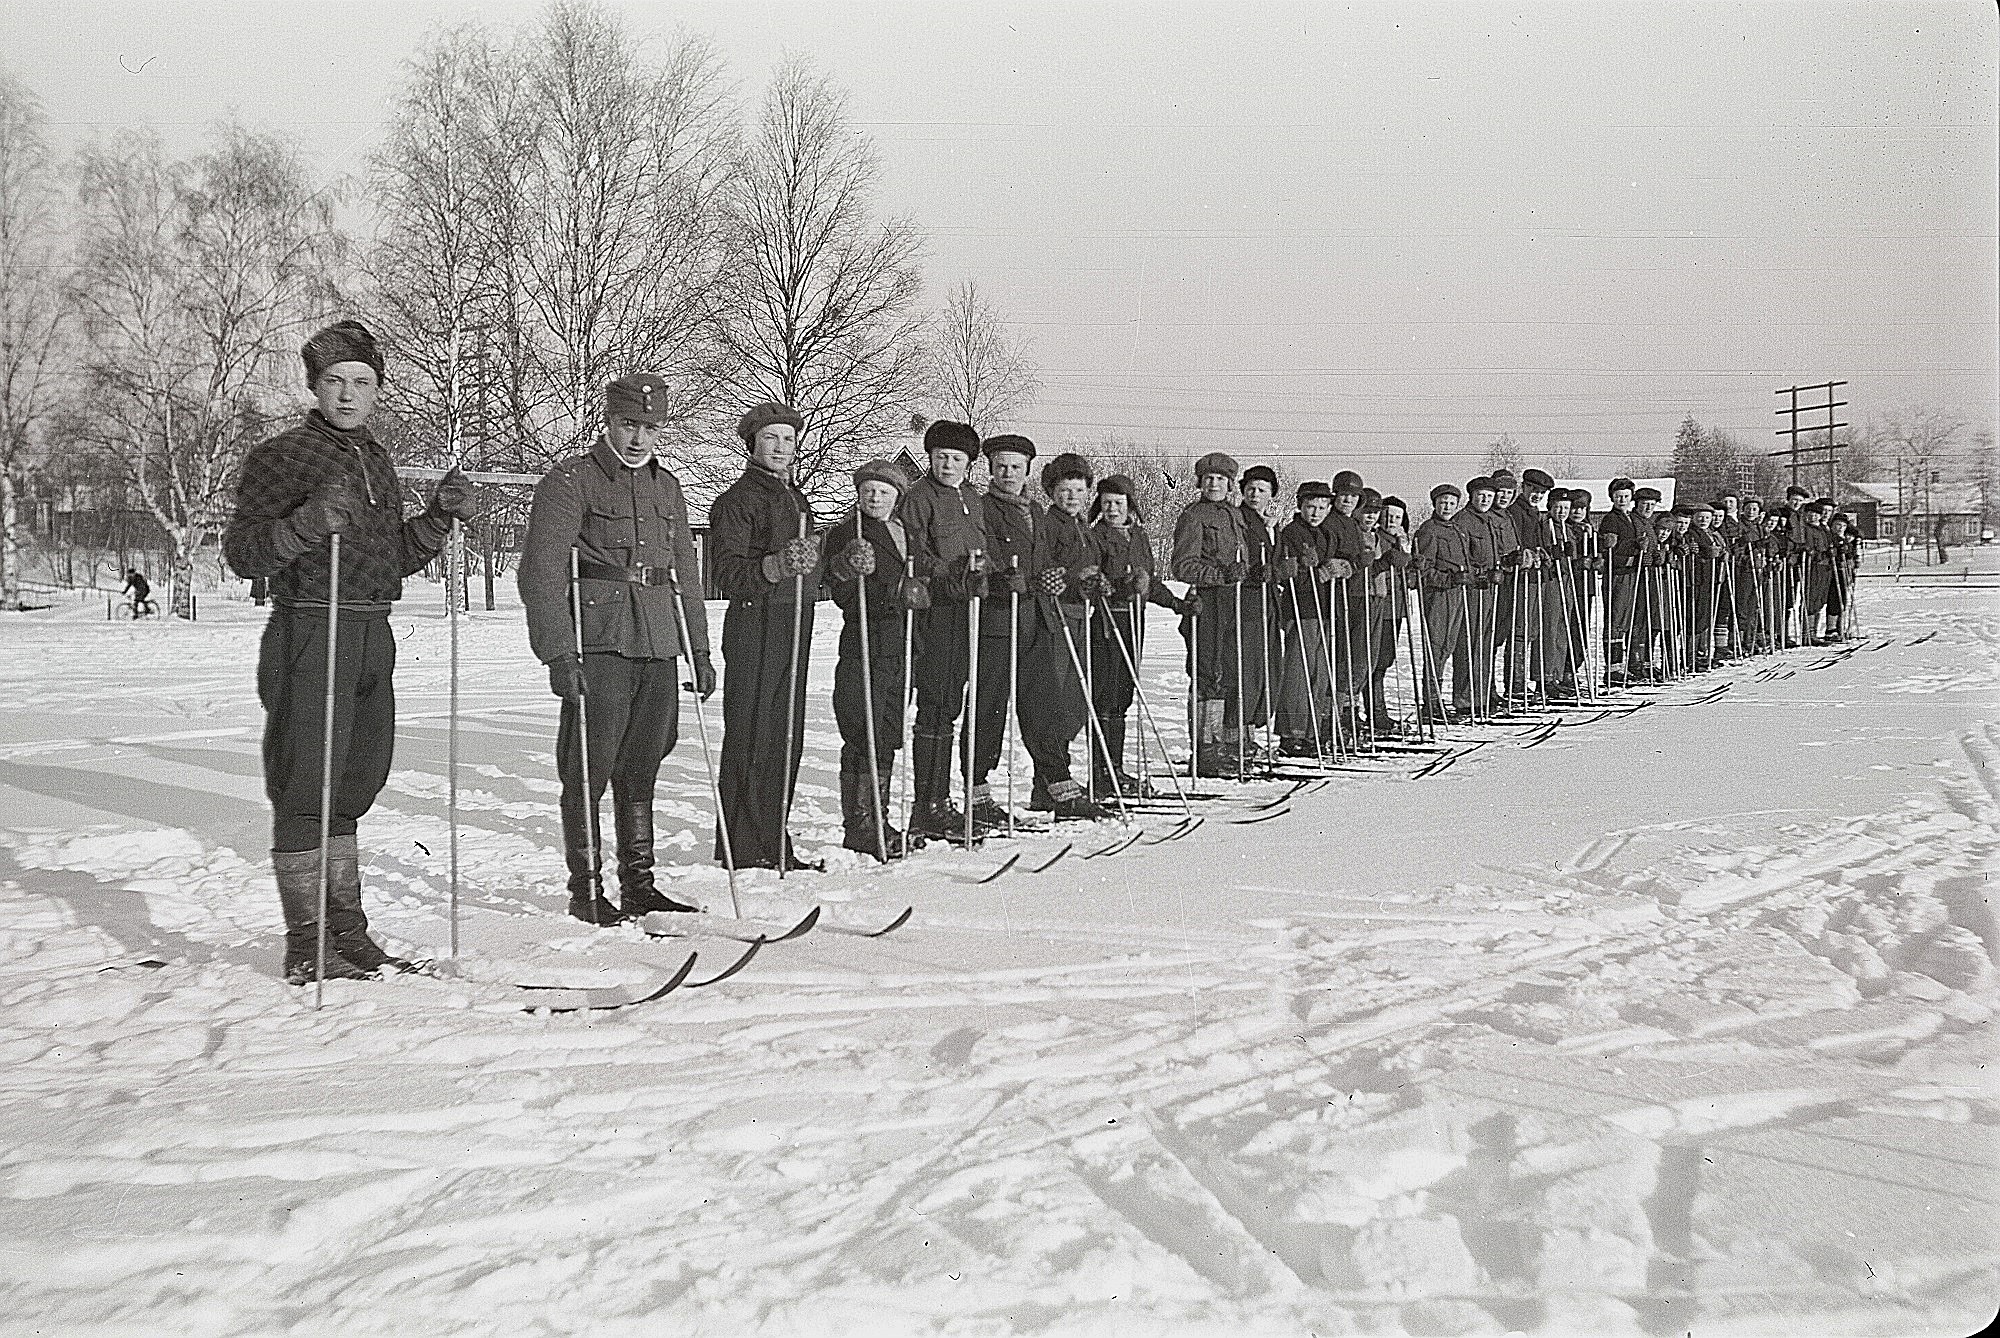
(196, 283)
(553, 211)
(979, 373)
(820, 307)
(34, 318)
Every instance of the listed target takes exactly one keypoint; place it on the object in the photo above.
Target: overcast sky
(1373, 235)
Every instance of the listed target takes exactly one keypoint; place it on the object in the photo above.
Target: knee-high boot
(298, 895)
(346, 922)
(582, 855)
(637, 892)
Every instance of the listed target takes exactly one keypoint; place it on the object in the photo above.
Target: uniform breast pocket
(609, 523)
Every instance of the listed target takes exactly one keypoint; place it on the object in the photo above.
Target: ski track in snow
(1682, 1022)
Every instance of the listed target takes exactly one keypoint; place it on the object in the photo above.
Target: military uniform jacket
(943, 525)
(615, 517)
(1442, 560)
(376, 553)
(1010, 544)
(1301, 541)
(1207, 536)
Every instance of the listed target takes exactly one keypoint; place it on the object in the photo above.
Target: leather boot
(637, 893)
(298, 894)
(858, 801)
(346, 922)
(586, 892)
(934, 814)
(1212, 756)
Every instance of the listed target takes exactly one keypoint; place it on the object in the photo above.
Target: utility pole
(1794, 429)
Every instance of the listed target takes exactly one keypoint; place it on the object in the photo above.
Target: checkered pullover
(375, 554)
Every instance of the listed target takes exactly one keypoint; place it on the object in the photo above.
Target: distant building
(1917, 512)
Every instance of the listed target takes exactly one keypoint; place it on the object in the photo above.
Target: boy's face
(1117, 507)
(1316, 509)
(1257, 494)
(774, 447)
(1559, 510)
(1621, 501)
(346, 393)
(1370, 521)
(1071, 496)
(1503, 498)
(1346, 502)
(1007, 472)
(632, 441)
(1539, 500)
(1482, 500)
(949, 467)
(876, 499)
(1215, 487)
(1445, 505)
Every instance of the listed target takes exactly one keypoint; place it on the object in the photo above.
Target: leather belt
(649, 576)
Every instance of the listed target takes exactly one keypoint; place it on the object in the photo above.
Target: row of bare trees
(553, 205)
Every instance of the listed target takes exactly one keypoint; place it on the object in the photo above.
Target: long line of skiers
(977, 624)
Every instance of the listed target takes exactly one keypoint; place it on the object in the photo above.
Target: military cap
(1068, 465)
(1264, 473)
(1009, 441)
(1215, 462)
(641, 397)
(882, 471)
(946, 435)
(765, 414)
(1536, 478)
(343, 341)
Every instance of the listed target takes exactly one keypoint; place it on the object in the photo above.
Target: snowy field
(1674, 1023)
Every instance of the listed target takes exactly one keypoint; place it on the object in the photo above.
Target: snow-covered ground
(1681, 1022)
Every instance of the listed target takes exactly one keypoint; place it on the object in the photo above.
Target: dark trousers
(1444, 625)
(1216, 643)
(291, 683)
(1052, 707)
(988, 736)
(633, 706)
(1472, 651)
(759, 691)
(1305, 685)
(942, 662)
(885, 682)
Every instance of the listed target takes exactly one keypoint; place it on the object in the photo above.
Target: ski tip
(1052, 860)
(756, 946)
(984, 879)
(1262, 817)
(896, 923)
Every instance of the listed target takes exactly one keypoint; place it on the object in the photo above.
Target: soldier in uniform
(944, 519)
(866, 548)
(1125, 556)
(1305, 684)
(1443, 572)
(1009, 611)
(765, 556)
(328, 476)
(621, 510)
(1209, 548)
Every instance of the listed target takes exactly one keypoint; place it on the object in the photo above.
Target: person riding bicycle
(142, 593)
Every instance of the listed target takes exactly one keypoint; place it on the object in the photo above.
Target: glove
(332, 509)
(704, 678)
(854, 561)
(1309, 559)
(1093, 584)
(566, 678)
(798, 557)
(1130, 584)
(1053, 581)
(1234, 570)
(455, 495)
(1012, 581)
(1285, 569)
(916, 592)
(1340, 567)
(1256, 573)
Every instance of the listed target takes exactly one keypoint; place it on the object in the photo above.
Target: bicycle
(138, 608)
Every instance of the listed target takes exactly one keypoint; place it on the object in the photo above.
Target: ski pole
(868, 704)
(969, 735)
(455, 564)
(1299, 643)
(1146, 713)
(326, 762)
(701, 730)
(792, 710)
(1267, 705)
(1013, 679)
(1076, 663)
(1236, 624)
(589, 793)
(1090, 703)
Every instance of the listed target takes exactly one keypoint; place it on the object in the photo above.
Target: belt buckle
(654, 576)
